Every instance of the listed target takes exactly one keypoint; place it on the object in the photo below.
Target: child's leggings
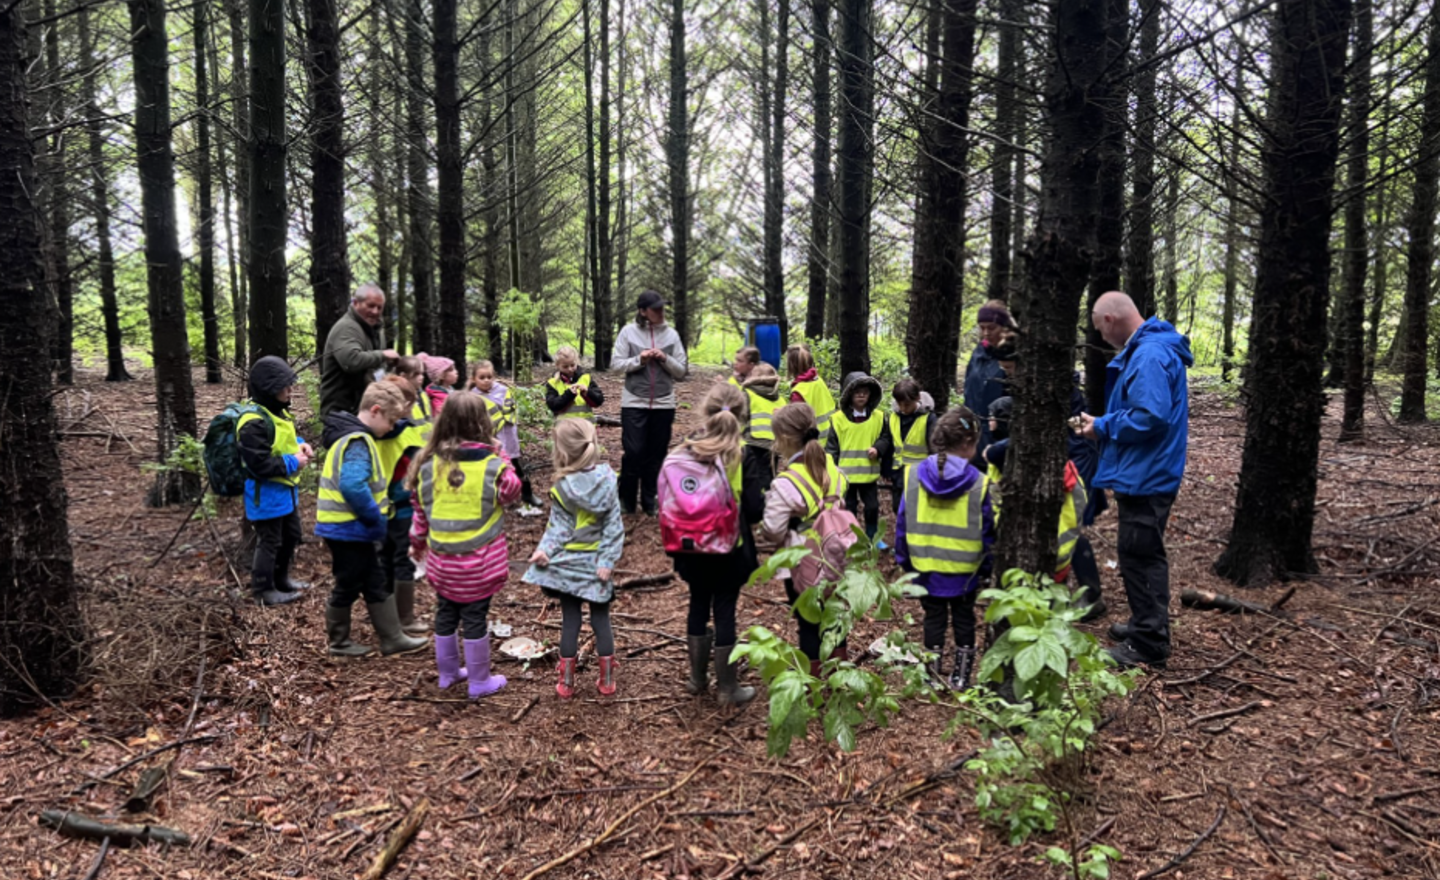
(959, 611)
(450, 615)
(867, 494)
(570, 613)
(715, 583)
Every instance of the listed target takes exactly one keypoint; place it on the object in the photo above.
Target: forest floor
(294, 765)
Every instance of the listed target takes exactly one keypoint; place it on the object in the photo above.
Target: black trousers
(395, 555)
(358, 572)
(449, 615)
(867, 494)
(275, 543)
(570, 615)
(1145, 569)
(957, 611)
(1087, 571)
(645, 441)
(715, 583)
(809, 633)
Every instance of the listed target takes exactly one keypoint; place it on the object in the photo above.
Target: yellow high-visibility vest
(910, 448)
(589, 526)
(817, 394)
(814, 493)
(759, 431)
(286, 442)
(422, 417)
(1070, 523)
(944, 535)
(468, 516)
(855, 438)
(331, 507)
(580, 409)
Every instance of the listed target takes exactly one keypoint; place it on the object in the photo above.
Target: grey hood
(592, 490)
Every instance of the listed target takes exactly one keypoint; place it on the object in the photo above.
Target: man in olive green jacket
(354, 352)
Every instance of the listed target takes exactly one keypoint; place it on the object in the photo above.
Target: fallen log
(73, 824)
(150, 781)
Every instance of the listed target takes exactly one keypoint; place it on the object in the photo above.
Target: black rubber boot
(960, 673)
(386, 620)
(337, 630)
(699, 648)
(728, 692)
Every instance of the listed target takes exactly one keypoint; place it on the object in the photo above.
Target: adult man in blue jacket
(1142, 439)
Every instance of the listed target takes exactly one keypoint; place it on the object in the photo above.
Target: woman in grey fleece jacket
(650, 354)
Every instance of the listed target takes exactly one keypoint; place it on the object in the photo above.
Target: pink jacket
(479, 574)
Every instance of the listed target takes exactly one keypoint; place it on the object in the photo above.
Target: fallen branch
(150, 781)
(746, 866)
(645, 580)
(521, 713)
(1254, 826)
(1204, 600)
(73, 824)
(398, 838)
(1404, 793)
(1225, 713)
(615, 826)
(86, 786)
(932, 780)
(99, 862)
(1189, 850)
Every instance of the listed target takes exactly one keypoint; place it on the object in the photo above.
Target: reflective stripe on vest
(758, 431)
(813, 493)
(498, 417)
(580, 409)
(944, 535)
(997, 491)
(589, 526)
(817, 394)
(855, 439)
(286, 442)
(911, 448)
(331, 507)
(1070, 523)
(465, 517)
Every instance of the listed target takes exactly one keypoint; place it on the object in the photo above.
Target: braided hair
(956, 433)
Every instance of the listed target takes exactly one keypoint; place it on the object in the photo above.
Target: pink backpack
(828, 539)
(698, 513)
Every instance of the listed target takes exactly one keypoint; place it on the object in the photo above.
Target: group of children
(417, 482)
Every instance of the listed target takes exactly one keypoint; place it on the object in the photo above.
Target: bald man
(1142, 439)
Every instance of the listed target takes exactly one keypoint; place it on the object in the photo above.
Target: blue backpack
(223, 463)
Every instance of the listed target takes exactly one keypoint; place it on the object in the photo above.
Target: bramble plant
(1038, 746)
(844, 696)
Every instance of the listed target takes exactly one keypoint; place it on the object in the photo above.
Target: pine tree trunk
(1110, 225)
(854, 157)
(678, 152)
(100, 197)
(205, 231)
(1171, 306)
(1382, 226)
(1357, 246)
(450, 214)
(775, 180)
(1232, 244)
(41, 631)
(329, 264)
(418, 194)
(605, 232)
(1002, 167)
(1275, 505)
(821, 55)
(491, 197)
(240, 99)
(60, 195)
(269, 212)
(1420, 224)
(592, 185)
(174, 392)
(620, 238)
(1049, 306)
(1140, 255)
(933, 334)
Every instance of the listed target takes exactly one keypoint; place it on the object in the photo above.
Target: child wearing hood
(762, 394)
(580, 549)
(859, 442)
(911, 425)
(352, 515)
(462, 483)
(944, 530)
(274, 456)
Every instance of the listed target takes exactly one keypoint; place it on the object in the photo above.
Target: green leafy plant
(519, 316)
(826, 353)
(843, 696)
(1038, 744)
(532, 416)
(188, 457)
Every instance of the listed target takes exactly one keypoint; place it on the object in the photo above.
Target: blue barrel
(764, 334)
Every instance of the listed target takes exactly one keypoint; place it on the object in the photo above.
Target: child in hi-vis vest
(806, 386)
(859, 442)
(572, 393)
(944, 530)
(462, 483)
(580, 549)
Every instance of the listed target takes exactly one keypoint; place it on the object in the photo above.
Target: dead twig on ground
(746, 866)
(86, 786)
(1189, 850)
(99, 862)
(73, 824)
(398, 839)
(1225, 713)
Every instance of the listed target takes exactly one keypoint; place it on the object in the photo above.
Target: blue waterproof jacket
(265, 496)
(1147, 422)
(984, 384)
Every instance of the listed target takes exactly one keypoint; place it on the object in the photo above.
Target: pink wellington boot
(565, 687)
(606, 684)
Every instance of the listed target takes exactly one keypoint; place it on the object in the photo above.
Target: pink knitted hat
(435, 366)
